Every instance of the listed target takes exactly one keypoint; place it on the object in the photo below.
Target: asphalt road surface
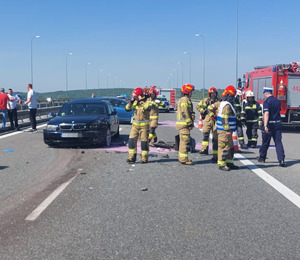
(90, 204)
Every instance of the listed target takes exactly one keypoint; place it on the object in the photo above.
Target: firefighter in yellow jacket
(207, 111)
(140, 125)
(185, 122)
(226, 124)
(153, 122)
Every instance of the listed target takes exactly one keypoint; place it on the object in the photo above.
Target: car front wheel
(107, 141)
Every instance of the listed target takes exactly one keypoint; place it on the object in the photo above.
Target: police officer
(226, 124)
(185, 122)
(154, 112)
(252, 118)
(206, 109)
(272, 127)
(140, 125)
(239, 124)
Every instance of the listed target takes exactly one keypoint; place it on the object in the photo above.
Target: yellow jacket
(141, 110)
(185, 113)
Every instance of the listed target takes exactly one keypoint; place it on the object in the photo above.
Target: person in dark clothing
(272, 127)
(252, 118)
(239, 125)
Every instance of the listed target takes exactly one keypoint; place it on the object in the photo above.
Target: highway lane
(195, 212)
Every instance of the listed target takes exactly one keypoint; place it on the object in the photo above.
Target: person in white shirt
(32, 105)
(12, 112)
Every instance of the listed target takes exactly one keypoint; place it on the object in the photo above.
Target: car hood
(75, 119)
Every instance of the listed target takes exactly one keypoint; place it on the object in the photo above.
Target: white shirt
(13, 101)
(33, 103)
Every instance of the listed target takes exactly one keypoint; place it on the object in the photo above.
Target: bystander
(14, 100)
(32, 105)
(4, 104)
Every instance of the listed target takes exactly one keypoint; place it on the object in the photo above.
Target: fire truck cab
(285, 80)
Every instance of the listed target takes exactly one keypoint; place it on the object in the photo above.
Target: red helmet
(137, 92)
(187, 88)
(153, 90)
(211, 90)
(230, 90)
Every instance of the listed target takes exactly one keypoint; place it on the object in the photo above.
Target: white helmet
(249, 94)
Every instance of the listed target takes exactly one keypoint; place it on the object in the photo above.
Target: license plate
(69, 135)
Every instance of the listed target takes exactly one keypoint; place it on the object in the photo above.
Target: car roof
(112, 98)
(88, 100)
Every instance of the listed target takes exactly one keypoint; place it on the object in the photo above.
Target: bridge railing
(44, 108)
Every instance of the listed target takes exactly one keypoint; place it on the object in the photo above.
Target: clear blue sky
(139, 43)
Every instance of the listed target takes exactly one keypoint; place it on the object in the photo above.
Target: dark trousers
(252, 132)
(13, 117)
(240, 132)
(32, 115)
(275, 132)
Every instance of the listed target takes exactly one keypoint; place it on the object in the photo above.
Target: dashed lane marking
(38, 211)
(285, 191)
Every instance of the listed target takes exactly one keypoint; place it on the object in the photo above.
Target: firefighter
(140, 125)
(252, 118)
(206, 109)
(153, 122)
(239, 123)
(226, 124)
(185, 122)
(214, 108)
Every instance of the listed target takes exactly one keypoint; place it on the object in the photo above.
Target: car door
(114, 120)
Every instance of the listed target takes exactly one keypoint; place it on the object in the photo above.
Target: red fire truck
(170, 95)
(285, 80)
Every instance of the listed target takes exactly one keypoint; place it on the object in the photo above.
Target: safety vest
(231, 118)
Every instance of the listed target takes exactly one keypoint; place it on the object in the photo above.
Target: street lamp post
(35, 37)
(107, 86)
(86, 78)
(100, 70)
(67, 55)
(200, 35)
(180, 63)
(186, 52)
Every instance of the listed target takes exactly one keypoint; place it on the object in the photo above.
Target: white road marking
(38, 211)
(19, 132)
(285, 191)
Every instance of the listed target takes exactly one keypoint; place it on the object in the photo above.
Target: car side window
(109, 106)
(123, 104)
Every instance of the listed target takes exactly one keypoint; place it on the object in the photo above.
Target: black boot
(204, 151)
(224, 168)
(243, 146)
(232, 166)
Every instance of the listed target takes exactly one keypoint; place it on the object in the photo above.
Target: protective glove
(157, 101)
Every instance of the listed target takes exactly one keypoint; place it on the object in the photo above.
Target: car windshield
(83, 109)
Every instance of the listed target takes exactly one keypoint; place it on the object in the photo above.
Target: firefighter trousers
(152, 131)
(208, 126)
(240, 132)
(252, 133)
(184, 136)
(225, 148)
(137, 132)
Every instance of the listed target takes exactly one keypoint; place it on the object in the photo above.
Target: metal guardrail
(44, 108)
